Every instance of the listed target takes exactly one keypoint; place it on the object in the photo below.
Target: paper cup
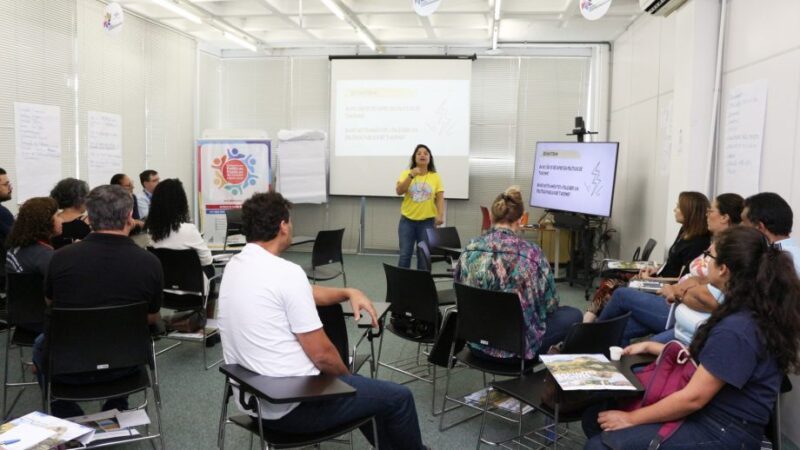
(615, 353)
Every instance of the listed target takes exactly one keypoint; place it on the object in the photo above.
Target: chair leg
(446, 391)
(5, 372)
(380, 350)
(375, 433)
(223, 417)
(483, 419)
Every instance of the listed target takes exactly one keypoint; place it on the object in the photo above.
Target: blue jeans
(649, 312)
(390, 403)
(705, 429)
(410, 232)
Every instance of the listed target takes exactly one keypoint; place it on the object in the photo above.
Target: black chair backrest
(233, 218)
(96, 339)
(327, 247)
(595, 337)
(332, 318)
(25, 297)
(491, 318)
(444, 237)
(182, 272)
(424, 256)
(648, 249)
(412, 293)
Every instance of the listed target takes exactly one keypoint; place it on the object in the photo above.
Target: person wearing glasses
(6, 218)
(695, 298)
(742, 352)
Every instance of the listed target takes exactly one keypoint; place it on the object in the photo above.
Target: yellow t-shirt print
(420, 191)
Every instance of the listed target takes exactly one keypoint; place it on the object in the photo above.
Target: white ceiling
(278, 24)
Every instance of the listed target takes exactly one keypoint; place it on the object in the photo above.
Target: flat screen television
(575, 177)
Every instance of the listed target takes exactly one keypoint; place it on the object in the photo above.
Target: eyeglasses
(708, 254)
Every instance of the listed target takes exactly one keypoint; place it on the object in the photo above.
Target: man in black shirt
(105, 269)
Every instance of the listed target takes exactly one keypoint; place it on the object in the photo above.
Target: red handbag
(669, 373)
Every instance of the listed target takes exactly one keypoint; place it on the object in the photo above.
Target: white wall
(515, 102)
(659, 59)
(661, 98)
(56, 52)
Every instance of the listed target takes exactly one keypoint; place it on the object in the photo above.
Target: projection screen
(382, 108)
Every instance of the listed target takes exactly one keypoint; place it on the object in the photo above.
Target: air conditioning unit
(660, 7)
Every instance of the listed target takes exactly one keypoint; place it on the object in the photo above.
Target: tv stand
(582, 229)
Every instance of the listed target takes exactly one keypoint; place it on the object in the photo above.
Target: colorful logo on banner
(234, 171)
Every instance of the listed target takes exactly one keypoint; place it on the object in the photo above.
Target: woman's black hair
(168, 209)
(731, 205)
(431, 166)
(762, 281)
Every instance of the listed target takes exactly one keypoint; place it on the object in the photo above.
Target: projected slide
(389, 117)
(575, 177)
(381, 109)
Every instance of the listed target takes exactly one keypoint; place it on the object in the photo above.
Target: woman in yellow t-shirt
(423, 202)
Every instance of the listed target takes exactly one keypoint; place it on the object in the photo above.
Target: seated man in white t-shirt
(269, 324)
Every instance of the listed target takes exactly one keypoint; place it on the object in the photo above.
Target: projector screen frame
(582, 144)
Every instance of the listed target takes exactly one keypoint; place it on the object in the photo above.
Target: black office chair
(327, 250)
(494, 319)
(594, 337)
(446, 296)
(184, 290)
(233, 227)
(117, 340)
(647, 250)
(26, 310)
(444, 237)
(333, 322)
(281, 391)
(772, 434)
(415, 317)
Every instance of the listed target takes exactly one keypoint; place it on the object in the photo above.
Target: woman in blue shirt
(742, 351)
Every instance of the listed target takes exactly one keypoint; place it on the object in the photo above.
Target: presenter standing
(423, 202)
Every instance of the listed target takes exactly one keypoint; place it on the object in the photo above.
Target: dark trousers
(391, 404)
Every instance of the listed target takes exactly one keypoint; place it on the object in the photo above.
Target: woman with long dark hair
(743, 351)
(423, 202)
(168, 222)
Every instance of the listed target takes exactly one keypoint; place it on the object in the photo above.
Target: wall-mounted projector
(660, 7)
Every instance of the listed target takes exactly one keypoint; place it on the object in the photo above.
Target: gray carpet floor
(192, 396)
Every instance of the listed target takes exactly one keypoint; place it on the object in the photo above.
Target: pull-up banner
(229, 172)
